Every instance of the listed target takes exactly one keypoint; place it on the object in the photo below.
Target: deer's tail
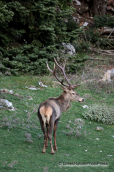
(46, 113)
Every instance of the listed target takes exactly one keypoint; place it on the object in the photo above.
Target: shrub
(92, 35)
(100, 113)
(77, 62)
(104, 21)
(31, 33)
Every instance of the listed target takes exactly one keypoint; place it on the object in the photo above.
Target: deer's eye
(73, 93)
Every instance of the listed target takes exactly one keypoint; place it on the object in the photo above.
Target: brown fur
(49, 112)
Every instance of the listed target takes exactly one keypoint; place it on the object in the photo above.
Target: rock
(11, 91)
(68, 48)
(29, 137)
(32, 88)
(6, 103)
(66, 154)
(85, 106)
(100, 128)
(79, 120)
(6, 91)
(42, 85)
(76, 19)
(29, 98)
(77, 2)
(107, 75)
(109, 155)
(85, 24)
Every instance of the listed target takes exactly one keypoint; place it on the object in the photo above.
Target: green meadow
(21, 138)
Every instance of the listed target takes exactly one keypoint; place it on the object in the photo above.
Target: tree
(31, 31)
(98, 7)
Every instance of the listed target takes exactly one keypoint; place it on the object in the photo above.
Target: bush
(93, 35)
(31, 33)
(77, 62)
(26, 59)
(100, 113)
(104, 21)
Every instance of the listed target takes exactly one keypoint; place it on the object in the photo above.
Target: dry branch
(12, 94)
(105, 52)
(105, 30)
(101, 59)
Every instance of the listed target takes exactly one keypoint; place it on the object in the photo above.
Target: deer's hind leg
(46, 145)
(50, 130)
(44, 131)
(54, 133)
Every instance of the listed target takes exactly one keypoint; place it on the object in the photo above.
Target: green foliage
(31, 32)
(77, 62)
(64, 3)
(6, 16)
(29, 59)
(26, 59)
(81, 46)
(35, 20)
(106, 20)
(100, 113)
(93, 35)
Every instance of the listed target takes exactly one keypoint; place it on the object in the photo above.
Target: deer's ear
(64, 88)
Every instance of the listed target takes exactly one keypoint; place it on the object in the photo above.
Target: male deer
(49, 111)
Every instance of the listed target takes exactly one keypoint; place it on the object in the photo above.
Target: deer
(49, 111)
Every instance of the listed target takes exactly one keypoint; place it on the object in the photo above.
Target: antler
(70, 86)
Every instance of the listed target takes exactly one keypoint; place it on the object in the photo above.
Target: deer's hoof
(55, 148)
(53, 153)
(43, 152)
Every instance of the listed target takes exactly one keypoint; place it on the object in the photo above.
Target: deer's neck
(64, 102)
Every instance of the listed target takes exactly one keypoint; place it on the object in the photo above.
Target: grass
(20, 154)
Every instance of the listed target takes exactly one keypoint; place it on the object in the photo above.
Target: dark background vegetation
(31, 32)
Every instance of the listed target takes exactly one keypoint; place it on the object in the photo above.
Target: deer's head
(69, 88)
(72, 95)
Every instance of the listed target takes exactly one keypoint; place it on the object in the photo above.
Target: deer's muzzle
(81, 100)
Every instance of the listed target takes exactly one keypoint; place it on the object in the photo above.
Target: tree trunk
(98, 7)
